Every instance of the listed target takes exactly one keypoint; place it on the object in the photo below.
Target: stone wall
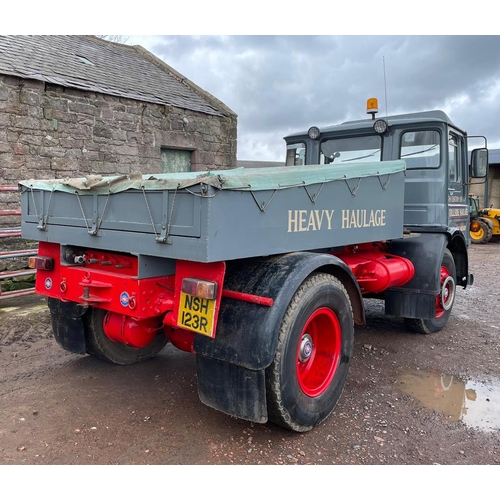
(48, 131)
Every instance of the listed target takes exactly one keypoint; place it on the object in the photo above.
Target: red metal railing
(11, 232)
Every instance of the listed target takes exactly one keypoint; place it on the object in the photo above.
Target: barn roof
(494, 156)
(92, 64)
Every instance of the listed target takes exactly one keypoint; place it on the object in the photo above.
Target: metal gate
(13, 232)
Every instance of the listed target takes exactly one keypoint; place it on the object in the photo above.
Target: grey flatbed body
(220, 215)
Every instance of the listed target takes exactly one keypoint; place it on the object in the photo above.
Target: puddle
(477, 404)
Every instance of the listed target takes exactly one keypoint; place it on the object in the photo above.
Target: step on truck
(261, 273)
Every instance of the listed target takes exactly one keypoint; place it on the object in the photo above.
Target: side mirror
(479, 163)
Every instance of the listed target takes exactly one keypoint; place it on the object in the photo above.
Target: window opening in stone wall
(175, 160)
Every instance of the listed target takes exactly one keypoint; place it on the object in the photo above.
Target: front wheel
(100, 345)
(444, 299)
(313, 355)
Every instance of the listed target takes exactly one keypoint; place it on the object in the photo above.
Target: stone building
(76, 105)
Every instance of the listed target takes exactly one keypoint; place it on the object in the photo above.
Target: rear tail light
(200, 288)
(42, 263)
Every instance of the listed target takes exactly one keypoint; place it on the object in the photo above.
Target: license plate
(196, 314)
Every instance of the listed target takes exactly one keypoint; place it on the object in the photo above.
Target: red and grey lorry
(261, 273)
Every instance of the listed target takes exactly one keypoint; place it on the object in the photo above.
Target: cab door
(458, 208)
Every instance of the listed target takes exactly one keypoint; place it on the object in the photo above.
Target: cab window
(295, 154)
(421, 149)
(453, 158)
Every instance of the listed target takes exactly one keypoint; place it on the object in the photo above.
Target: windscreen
(351, 149)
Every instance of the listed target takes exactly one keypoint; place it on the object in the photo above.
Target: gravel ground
(410, 399)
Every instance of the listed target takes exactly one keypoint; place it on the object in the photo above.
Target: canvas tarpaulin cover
(244, 179)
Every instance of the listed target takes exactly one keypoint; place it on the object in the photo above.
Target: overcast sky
(281, 84)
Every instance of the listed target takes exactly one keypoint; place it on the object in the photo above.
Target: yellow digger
(484, 223)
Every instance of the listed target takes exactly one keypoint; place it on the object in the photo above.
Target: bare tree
(114, 38)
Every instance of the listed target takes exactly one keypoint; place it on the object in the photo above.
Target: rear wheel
(482, 232)
(444, 299)
(100, 345)
(313, 355)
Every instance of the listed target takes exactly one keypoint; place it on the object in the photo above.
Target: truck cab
(433, 147)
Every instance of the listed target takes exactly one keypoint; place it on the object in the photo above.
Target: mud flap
(231, 367)
(410, 304)
(67, 325)
(232, 389)
(417, 299)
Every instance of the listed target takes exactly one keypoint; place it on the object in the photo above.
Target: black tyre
(483, 233)
(312, 359)
(98, 344)
(444, 300)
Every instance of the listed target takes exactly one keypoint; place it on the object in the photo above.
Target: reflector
(475, 226)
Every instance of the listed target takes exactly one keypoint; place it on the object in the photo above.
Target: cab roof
(367, 123)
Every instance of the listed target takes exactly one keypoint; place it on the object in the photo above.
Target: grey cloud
(281, 83)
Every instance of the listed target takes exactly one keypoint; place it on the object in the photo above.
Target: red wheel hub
(318, 352)
(444, 299)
